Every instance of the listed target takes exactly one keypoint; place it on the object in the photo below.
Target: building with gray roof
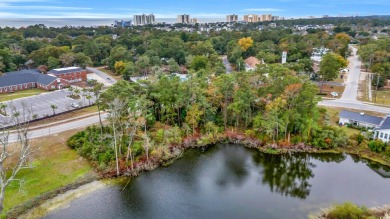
(27, 79)
(359, 119)
(382, 131)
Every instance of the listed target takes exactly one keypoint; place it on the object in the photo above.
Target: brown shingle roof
(252, 61)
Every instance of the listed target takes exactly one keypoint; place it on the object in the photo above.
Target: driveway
(40, 105)
(106, 77)
(351, 88)
(227, 64)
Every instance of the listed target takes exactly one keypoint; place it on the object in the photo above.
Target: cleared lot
(40, 105)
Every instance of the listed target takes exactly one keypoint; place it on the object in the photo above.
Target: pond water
(231, 181)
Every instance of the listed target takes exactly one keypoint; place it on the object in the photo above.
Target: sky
(196, 8)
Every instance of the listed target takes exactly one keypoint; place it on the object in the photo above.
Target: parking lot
(40, 105)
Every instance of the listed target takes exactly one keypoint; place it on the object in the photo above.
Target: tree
(14, 156)
(330, 66)
(119, 67)
(96, 90)
(54, 107)
(245, 43)
(53, 63)
(67, 59)
(199, 62)
(193, 116)
(116, 108)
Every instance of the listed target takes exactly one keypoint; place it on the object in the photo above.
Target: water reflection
(230, 181)
(289, 175)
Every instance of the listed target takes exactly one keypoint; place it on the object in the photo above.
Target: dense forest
(152, 121)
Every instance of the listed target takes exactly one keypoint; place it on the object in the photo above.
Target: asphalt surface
(52, 130)
(350, 104)
(40, 105)
(351, 88)
(108, 79)
(227, 64)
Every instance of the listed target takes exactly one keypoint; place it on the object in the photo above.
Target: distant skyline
(124, 9)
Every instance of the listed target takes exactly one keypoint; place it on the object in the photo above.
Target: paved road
(104, 76)
(351, 88)
(41, 104)
(61, 127)
(350, 104)
(227, 64)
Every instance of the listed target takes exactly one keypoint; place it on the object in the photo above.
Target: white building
(359, 119)
(382, 132)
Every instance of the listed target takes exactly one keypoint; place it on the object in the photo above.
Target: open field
(383, 97)
(327, 89)
(21, 94)
(55, 165)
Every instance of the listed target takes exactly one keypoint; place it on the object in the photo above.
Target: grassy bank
(21, 94)
(55, 165)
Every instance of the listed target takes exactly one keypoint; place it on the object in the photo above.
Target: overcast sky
(196, 8)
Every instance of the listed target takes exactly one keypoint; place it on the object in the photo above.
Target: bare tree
(116, 109)
(15, 146)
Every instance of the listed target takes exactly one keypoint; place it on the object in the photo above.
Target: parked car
(74, 105)
(334, 94)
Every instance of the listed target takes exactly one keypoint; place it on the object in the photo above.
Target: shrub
(329, 137)
(296, 139)
(377, 146)
(348, 211)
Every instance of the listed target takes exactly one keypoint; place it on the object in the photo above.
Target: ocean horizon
(78, 22)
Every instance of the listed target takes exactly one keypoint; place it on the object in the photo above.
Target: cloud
(263, 9)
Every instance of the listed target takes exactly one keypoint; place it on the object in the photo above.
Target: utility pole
(377, 83)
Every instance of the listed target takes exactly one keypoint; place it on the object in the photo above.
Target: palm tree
(2, 109)
(76, 93)
(53, 107)
(89, 97)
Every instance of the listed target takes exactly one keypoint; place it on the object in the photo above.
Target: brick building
(72, 74)
(27, 79)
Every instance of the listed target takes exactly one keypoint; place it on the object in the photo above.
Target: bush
(329, 137)
(377, 146)
(348, 211)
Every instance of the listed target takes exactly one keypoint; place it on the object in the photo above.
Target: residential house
(382, 131)
(71, 74)
(359, 119)
(251, 63)
(27, 79)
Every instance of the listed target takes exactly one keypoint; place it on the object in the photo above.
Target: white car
(344, 70)
(334, 94)
(74, 105)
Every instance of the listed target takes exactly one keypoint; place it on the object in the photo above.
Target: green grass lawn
(55, 166)
(333, 114)
(20, 94)
(383, 97)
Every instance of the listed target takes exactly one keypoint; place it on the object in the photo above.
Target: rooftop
(361, 117)
(65, 70)
(25, 76)
(385, 124)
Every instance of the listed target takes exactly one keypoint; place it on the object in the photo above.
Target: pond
(231, 181)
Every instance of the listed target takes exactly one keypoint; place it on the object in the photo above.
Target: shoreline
(39, 205)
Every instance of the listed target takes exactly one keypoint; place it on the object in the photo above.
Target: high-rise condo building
(266, 17)
(183, 18)
(232, 18)
(251, 18)
(144, 19)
